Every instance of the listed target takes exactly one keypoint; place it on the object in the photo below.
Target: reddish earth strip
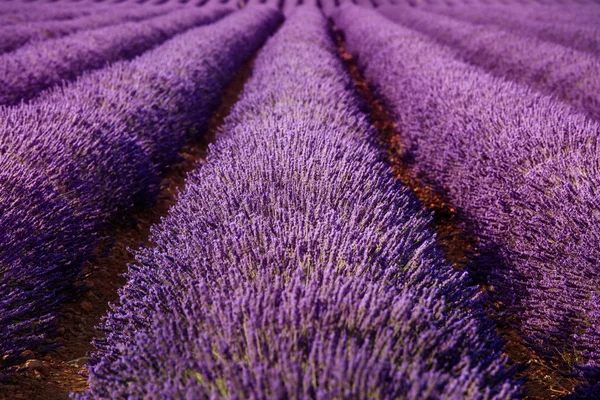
(56, 374)
(543, 379)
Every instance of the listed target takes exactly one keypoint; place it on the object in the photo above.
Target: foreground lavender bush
(522, 168)
(571, 75)
(38, 66)
(294, 265)
(82, 155)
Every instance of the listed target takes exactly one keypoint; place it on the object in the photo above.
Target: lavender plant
(573, 34)
(15, 36)
(17, 12)
(63, 181)
(584, 13)
(38, 66)
(571, 75)
(294, 265)
(521, 168)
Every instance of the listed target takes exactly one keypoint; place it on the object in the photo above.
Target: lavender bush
(62, 181)
(294, 265)
(571, 75)
(38, 66)
(15, 36)
(17, 12)
(586, 13)
(521, 167)
(570, 34)
(364, 3)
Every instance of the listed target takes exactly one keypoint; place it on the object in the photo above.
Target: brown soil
(63, 370)
(543, 379)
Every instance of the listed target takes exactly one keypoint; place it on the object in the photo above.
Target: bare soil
(61, 371)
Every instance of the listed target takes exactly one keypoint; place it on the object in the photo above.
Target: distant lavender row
(15, 36)
(583, 13)
(531, 4)
(520, 166)
(328, 6)
(89, 151)
(571, 75)
(574, 35)
(45, 12)
(294, 265)
(38, 66)
(381, 3)
(363, 3)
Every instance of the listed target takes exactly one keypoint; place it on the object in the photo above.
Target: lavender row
(572, 76)
(328, 6)
(89, 151)
(15, 36)
(585, 13)
(33, 68)
(363, 3)
(289, 6)
(294, 265)
(533, 4)
(573, 35)
(33, 13)
(521, 167)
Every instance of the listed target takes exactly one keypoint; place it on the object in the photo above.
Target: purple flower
(294, 265)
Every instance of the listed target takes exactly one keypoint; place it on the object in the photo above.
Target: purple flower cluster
(364, 3)
(571, 75)
(527, 5)
(15, 36)
(18, 12)
(583, 13)
(38, 66)
(84, 153)
(573, 34)
(294, 265)
(521, 167)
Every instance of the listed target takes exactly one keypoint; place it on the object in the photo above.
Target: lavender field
(313, 199)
